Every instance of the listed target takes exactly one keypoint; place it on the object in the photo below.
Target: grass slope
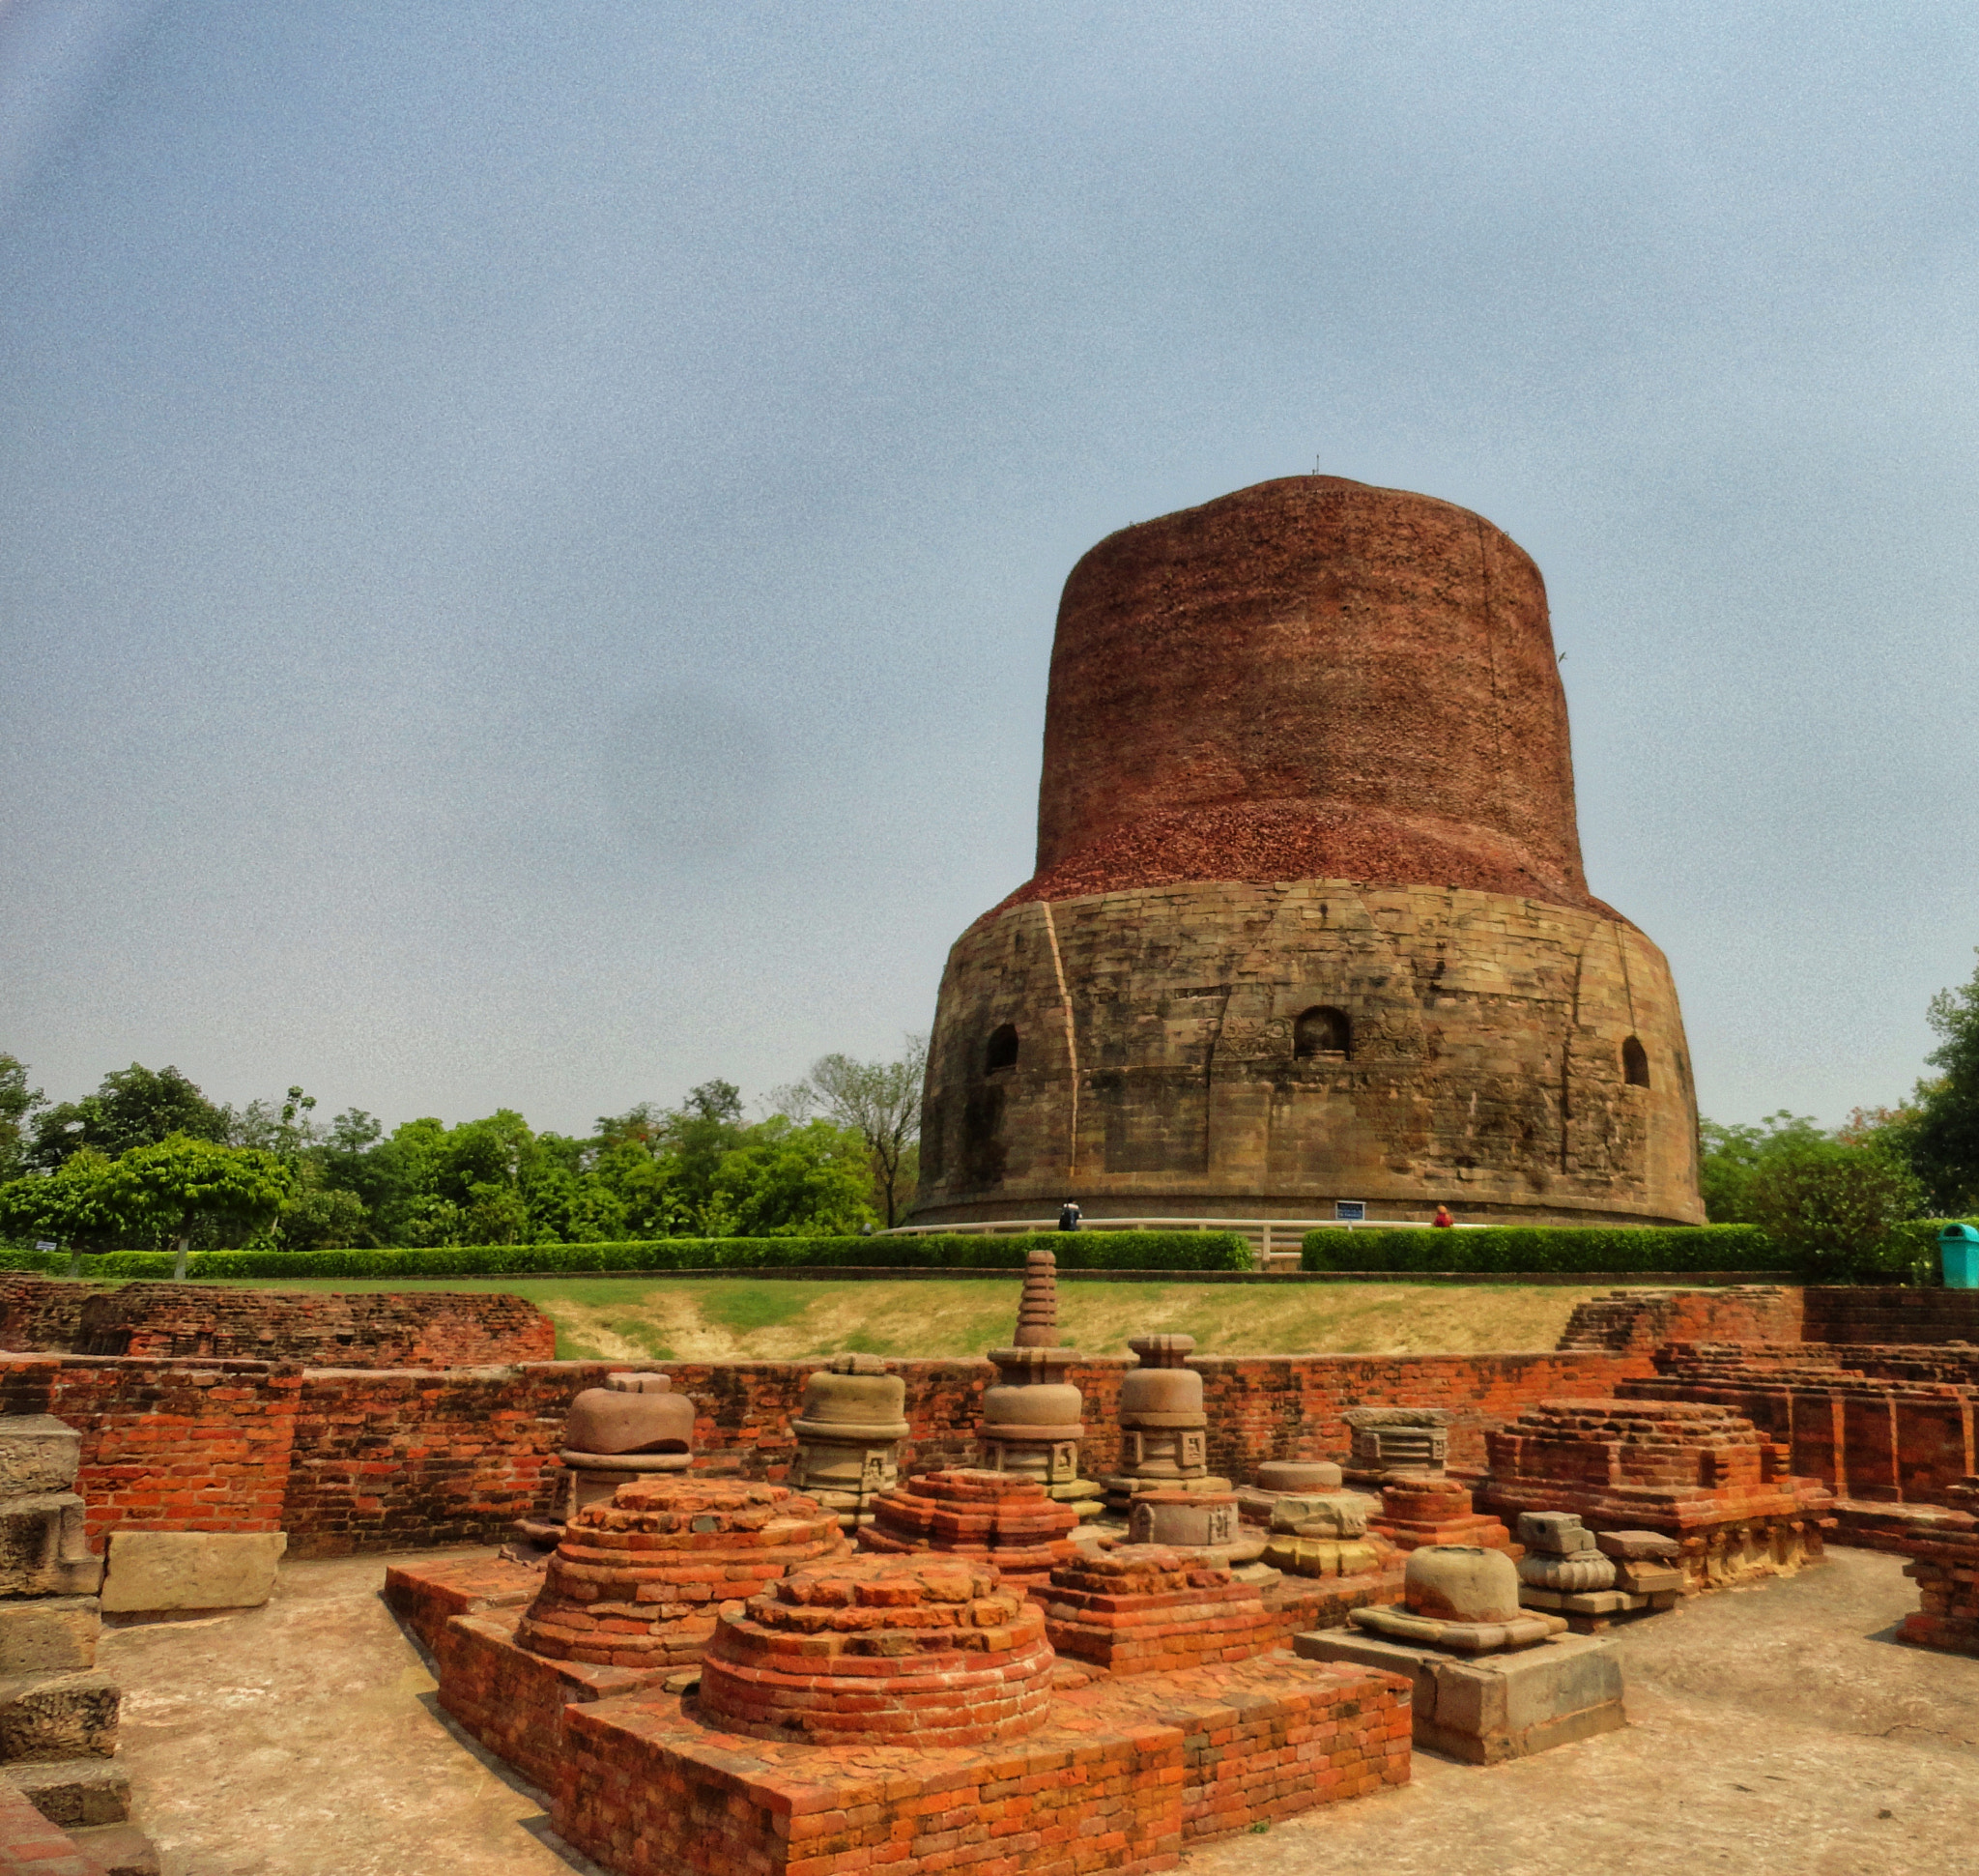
(739, 1319)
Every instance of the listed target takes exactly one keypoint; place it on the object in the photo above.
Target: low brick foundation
(1124, 1776)
(319, 1328)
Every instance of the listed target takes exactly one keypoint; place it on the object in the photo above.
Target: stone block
(153, 1570)
(43, 1549)
(37, 1453)
(58, 1717)
(1638, 1546)
(1649, 1579)
(49, 1635)
(74, 1792)
(1555, 1534)
(1497, 1707)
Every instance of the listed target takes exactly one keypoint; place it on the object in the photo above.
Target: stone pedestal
(1492, 1680)
(1163, 1428)
(1275, 1477)
(1490, 1707)
(993, 1517)
(1324, 1534)
(848, 1432)
(1393, 1443)
(1196, 1520)
(1031, 1423)
(634, 1428)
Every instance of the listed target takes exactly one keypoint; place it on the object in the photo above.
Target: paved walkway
(1777, 1732)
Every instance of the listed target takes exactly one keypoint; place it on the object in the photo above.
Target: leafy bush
(1075, 1250)
(1832, 1208)
(1547, 1248)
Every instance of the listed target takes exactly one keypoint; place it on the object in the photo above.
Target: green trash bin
(1957, 1250)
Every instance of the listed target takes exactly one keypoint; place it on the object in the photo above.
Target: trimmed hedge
(1077, 1250)
(1544, 1248)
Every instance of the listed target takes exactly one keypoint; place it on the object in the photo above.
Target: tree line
(149, 1160)
(1832, 1195)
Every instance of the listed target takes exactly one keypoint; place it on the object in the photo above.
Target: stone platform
(1125, 1774)
(1486, 1708)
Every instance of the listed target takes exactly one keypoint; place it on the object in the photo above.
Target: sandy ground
(1773, 1730)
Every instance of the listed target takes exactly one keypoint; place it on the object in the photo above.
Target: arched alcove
(1321, 1032)
(1635, 1063)
(1001, 1048)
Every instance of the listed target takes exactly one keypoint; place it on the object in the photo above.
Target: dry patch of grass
(745, 1319)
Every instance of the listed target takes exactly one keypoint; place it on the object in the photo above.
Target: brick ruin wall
(379, 1459)
(320, 1328)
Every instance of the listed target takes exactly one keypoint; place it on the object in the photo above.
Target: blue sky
(532, 534)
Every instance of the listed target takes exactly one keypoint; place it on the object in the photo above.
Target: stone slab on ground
(1488, 1708)
(74, 1792)
(49, 1635)
(159, 1571)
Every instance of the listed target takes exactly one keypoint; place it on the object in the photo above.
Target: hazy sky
(530, 533)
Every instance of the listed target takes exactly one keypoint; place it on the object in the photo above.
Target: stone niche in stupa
(1308, 921)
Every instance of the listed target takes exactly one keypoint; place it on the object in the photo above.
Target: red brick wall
(1889, 1315)
(167, 1446)
(350, 1328)
(400, 1461)
(1644, 1320)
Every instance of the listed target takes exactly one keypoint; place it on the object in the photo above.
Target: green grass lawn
(670, 1319)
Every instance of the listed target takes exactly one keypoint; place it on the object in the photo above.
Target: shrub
(1547, 1248)
(1077, 1250)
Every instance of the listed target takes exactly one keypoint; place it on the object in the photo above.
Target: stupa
(1308, 921)
(1031, 1422)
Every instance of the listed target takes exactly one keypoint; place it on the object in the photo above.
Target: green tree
(1942, 1142)
(881, 1103)
(17, 1101)
(1830, 1206)
(170, 1189)
(785, 1180)
(69, 1205)
(134, 1107)
(1731, 1156)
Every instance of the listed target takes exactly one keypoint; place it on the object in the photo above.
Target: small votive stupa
(1032, 1423)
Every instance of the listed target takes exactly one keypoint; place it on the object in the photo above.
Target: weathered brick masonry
(168, 1445)
(342, 1328)
(374, 1459)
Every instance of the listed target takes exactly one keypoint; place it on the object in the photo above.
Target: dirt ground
(1776, 1731)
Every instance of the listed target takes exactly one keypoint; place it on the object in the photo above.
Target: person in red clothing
(1442, 1218)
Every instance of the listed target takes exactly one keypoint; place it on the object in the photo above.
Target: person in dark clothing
(1067, 1215)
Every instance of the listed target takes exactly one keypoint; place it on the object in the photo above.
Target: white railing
(1259, 1232)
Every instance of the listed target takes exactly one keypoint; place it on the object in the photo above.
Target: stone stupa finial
(1036, 1309)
